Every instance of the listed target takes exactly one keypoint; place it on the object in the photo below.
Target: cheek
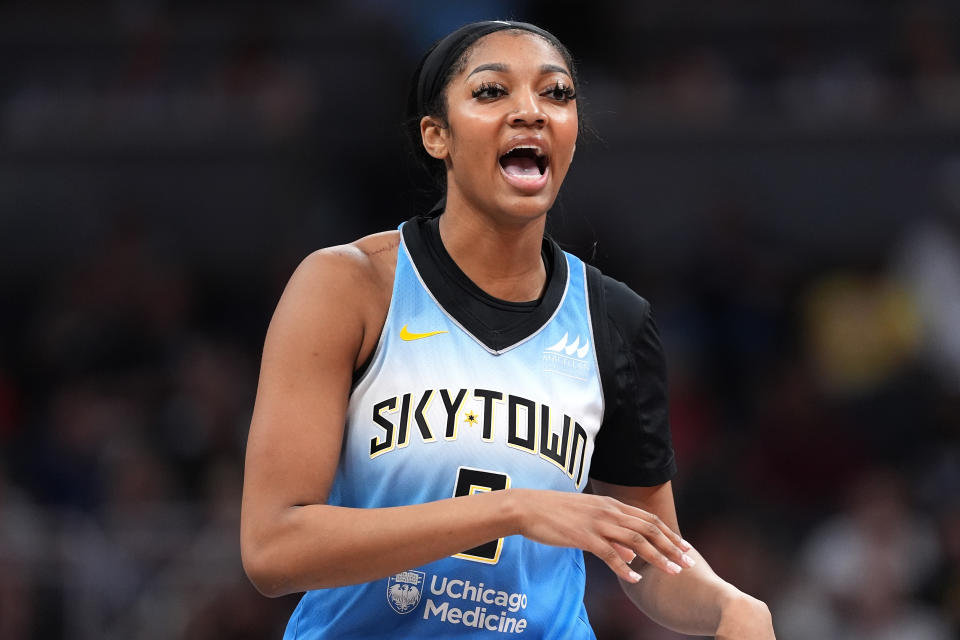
(470, 137)
(566, 130)
(569, 123)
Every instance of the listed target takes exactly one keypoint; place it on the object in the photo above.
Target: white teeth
(538, 150)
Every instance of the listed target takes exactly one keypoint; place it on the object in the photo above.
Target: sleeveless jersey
(437, 414)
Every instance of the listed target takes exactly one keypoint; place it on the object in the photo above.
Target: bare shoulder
(345, 289)
(363, 267)
(379, 255)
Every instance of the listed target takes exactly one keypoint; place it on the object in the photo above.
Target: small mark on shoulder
(389, 246)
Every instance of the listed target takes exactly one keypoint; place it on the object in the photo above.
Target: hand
(745, 618)
(611, 530)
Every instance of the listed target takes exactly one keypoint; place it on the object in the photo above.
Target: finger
(644, 550)
(652, 555)
(653, 533)
(626, 553)
(610, 554)
(660, 524)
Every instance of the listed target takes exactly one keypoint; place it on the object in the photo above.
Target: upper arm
(313, 343)
(633, 446)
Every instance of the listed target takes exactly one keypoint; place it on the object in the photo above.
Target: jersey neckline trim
(437, 284)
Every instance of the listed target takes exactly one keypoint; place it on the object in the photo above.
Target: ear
(434, 136)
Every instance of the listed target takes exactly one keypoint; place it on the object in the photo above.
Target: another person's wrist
(739, 610)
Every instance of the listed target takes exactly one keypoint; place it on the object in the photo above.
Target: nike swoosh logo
(406, 335)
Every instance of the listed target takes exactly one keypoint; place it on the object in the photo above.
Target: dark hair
(444, 60)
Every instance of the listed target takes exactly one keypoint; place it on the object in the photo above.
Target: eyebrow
(501, 67)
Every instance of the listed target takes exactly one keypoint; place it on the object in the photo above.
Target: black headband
(446, 52)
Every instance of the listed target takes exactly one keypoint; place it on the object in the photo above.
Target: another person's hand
(611, 530)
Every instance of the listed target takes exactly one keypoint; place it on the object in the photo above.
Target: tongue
(520, 166)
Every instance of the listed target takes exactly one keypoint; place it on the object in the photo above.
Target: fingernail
(634, 557)
(687, 546)
(687, 560)
(673, 568)
(634, 576)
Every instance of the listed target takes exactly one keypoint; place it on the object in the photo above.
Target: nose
(526, 110)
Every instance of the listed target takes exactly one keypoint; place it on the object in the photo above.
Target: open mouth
(524, 162)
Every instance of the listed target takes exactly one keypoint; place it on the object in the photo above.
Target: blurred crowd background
(781, 180)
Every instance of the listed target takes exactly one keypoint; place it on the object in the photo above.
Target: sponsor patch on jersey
(568, 358)
(404, 590)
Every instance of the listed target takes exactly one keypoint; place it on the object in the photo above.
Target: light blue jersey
(438, 414)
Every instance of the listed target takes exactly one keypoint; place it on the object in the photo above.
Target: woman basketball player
(434, 400)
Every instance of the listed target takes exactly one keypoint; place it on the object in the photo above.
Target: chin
(526, 208)
(502, 202)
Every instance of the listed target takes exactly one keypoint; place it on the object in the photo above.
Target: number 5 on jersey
(469, 482)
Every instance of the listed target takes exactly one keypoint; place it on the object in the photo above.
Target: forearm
(695, 602)
(321, 546)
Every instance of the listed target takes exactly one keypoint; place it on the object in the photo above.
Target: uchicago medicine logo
(404, 590)
(458, 602)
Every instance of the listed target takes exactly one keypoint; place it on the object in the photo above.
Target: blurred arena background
(781, 180)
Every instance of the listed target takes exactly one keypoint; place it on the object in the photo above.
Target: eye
(489, 91)
(561, 92)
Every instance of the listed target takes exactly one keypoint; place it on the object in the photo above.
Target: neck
(501, 257)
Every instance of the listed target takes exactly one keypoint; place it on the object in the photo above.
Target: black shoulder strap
(601, 329)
